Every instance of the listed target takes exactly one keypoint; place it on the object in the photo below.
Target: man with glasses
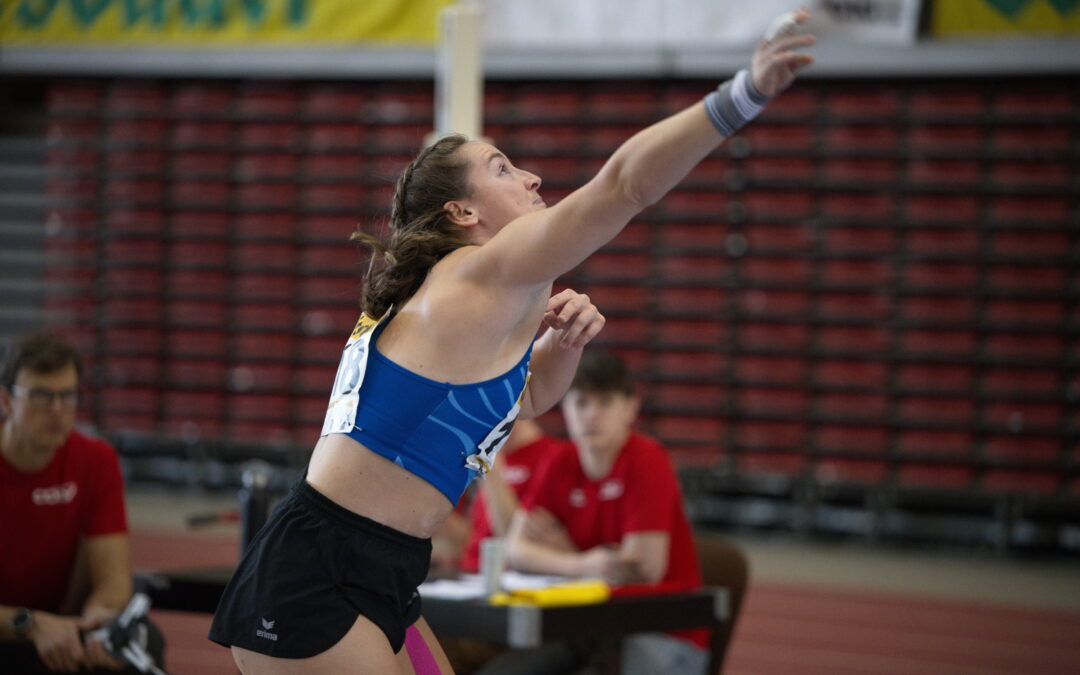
(65, 564)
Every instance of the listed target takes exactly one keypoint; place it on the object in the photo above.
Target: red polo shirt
(44, 514)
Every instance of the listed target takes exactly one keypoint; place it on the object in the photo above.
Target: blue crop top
(445, 433)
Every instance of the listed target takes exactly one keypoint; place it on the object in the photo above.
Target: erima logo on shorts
(264, 632)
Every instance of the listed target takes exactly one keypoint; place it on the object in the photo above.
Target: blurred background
(856, 324)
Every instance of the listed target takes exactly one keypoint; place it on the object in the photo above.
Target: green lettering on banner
(221, 22)
(86, 12)
(1064, 7)
(152, 10)
(194, 11)
(217, 12)
(297, 13)
(1010, 8)
(35, 13)
(1013, 8)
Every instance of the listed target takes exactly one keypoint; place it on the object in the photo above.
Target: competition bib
(488, 448)
(341, 413)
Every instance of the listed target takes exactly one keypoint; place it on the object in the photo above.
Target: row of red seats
(1024, 99)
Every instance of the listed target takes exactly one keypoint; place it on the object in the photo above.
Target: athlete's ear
(460, 214)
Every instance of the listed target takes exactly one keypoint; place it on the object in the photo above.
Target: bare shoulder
(459, 330)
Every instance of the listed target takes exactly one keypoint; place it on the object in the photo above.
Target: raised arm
(540, 246)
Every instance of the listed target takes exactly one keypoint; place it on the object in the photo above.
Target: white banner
(652, 24)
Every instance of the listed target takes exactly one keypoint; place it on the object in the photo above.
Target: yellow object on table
(570, 593)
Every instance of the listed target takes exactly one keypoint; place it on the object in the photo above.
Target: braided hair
(421, 231)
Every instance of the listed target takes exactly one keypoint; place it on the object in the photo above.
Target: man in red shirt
(613, 495)
(65, 564)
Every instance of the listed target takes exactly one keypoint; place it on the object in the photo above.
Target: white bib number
(341, 413)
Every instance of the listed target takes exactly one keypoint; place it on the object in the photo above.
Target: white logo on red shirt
(577, 497)
(56, 494)
(612, 489)
(516, 475)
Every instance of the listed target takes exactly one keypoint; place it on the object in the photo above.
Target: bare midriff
(363, 482)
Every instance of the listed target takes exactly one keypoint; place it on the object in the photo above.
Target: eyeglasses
(44, 398)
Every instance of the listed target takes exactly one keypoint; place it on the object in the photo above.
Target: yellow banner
(308, 23)
(952, 18)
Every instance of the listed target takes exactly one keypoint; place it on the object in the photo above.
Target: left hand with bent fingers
(776, 62)
(575, 317)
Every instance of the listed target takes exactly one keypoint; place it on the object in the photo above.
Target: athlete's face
(599, 422)
(40, 408)
(499, 191)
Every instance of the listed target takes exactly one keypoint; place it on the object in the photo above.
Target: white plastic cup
(492, 563)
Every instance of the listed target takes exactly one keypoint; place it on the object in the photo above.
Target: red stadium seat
(770, 401)
(687, 363)
(844, 373)
(267, 100)
(857, 306)
(262, 345)
(185, 343)
(1023, 482)
(686, 429)
(844, 470)
(785, 464)
(936, 377)
(947, 103)
(935, 476)
(690, 332)
(203, 374)
(841, 438)
(856, 272)
(924, 442)
(198, 313)
(770, 370)
(936, 410)
(74, 98)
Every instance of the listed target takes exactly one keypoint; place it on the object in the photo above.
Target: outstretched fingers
(776, 61)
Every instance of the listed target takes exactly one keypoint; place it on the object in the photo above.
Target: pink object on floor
(419, 653)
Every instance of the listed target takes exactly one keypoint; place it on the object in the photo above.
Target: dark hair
(421, 231)
(40, 353)
(601, 372)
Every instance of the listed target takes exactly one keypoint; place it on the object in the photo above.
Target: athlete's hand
(544, 528)
(575, 318)
(607, 563)
(57, 641)
(775, 63)
(96, 655)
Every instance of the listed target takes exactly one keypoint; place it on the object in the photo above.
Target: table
(198, 590)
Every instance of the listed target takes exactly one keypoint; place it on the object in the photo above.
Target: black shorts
(311, 570)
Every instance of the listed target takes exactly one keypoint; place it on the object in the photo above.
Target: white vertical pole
(459, 72)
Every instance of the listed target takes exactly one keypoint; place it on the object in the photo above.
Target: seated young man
(612, 497)
(65, 566)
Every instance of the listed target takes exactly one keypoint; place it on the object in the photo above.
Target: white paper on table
(466, 587)
(469, 586)
(519, 581)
